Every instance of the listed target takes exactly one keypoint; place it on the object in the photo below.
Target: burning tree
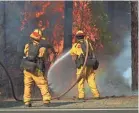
(81, 20)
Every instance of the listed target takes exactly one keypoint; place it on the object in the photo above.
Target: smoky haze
(111, 80)
(114, 74)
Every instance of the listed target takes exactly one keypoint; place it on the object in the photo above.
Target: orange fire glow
(81, 20)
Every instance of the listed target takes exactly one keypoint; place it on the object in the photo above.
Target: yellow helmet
(36, 34)
(80, 33)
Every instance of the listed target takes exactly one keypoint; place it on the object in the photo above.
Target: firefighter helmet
(36, 34)
(80, 34)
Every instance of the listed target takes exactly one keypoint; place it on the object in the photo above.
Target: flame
(81, 20)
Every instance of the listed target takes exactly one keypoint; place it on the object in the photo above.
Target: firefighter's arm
(26, 49)
(42, 52)
(41, 59)
(73, 50)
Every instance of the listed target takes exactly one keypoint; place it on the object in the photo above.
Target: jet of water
(58, 60)
(62, 74)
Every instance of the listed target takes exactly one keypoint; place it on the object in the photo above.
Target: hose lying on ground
(58, 97)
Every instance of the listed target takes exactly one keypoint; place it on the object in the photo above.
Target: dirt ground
(107, 102)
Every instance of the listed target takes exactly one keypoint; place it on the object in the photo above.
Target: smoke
(115, 78)
(124, 60)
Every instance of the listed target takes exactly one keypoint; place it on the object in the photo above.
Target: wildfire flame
(81, 20)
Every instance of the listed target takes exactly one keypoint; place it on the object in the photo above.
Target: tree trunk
(2, 30)
(134, 44)
(68, 25)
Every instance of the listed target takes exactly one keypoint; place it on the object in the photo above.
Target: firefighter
(34, 67)
(88, 72)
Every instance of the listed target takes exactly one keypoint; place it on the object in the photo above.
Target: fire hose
(58, 97)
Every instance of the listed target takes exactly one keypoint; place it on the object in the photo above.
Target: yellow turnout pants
(89, 75)
(40, 81)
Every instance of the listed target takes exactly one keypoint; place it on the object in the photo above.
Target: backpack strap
(91, 50)
(83, 46)
(77, 43)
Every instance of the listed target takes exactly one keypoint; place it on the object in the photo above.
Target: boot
(81, 99)
(96, 97)
(46, 103)
(28, 104)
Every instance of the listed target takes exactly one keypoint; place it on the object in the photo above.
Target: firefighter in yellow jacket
(37, 75)
(88, 72)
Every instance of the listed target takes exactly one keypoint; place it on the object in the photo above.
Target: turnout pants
(89, 75)
(40, 81)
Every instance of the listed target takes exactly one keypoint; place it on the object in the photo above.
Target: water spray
(57, 61)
